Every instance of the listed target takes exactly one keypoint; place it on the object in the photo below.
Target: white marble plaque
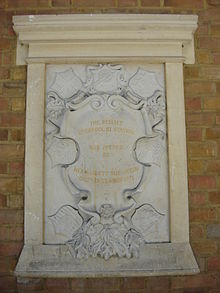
(106, 179)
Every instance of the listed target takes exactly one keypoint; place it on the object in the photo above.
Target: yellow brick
(195, 166)
(201, 149)
(215, 30)
(18, 104)
(202, 57)
(18, 73)
(212, 103)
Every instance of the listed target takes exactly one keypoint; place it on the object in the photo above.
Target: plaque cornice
(116, 31)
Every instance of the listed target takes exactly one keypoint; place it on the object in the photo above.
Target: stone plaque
(106, 179)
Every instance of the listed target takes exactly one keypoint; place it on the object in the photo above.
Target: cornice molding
(137, 35)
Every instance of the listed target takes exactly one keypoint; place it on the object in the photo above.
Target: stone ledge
(154, 260)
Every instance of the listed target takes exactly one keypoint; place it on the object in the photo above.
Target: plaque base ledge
(154, 260)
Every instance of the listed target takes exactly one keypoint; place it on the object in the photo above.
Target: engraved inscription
(105, 126)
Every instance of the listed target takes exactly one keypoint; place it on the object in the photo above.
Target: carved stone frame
(60, 39)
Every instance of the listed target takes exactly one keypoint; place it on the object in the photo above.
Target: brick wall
(202, 100)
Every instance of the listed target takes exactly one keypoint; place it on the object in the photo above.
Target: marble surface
(106, 179)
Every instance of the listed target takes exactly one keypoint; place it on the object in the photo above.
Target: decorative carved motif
(104, 134)
(66, 84)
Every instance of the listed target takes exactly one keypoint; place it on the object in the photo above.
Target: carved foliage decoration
(105, 133)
